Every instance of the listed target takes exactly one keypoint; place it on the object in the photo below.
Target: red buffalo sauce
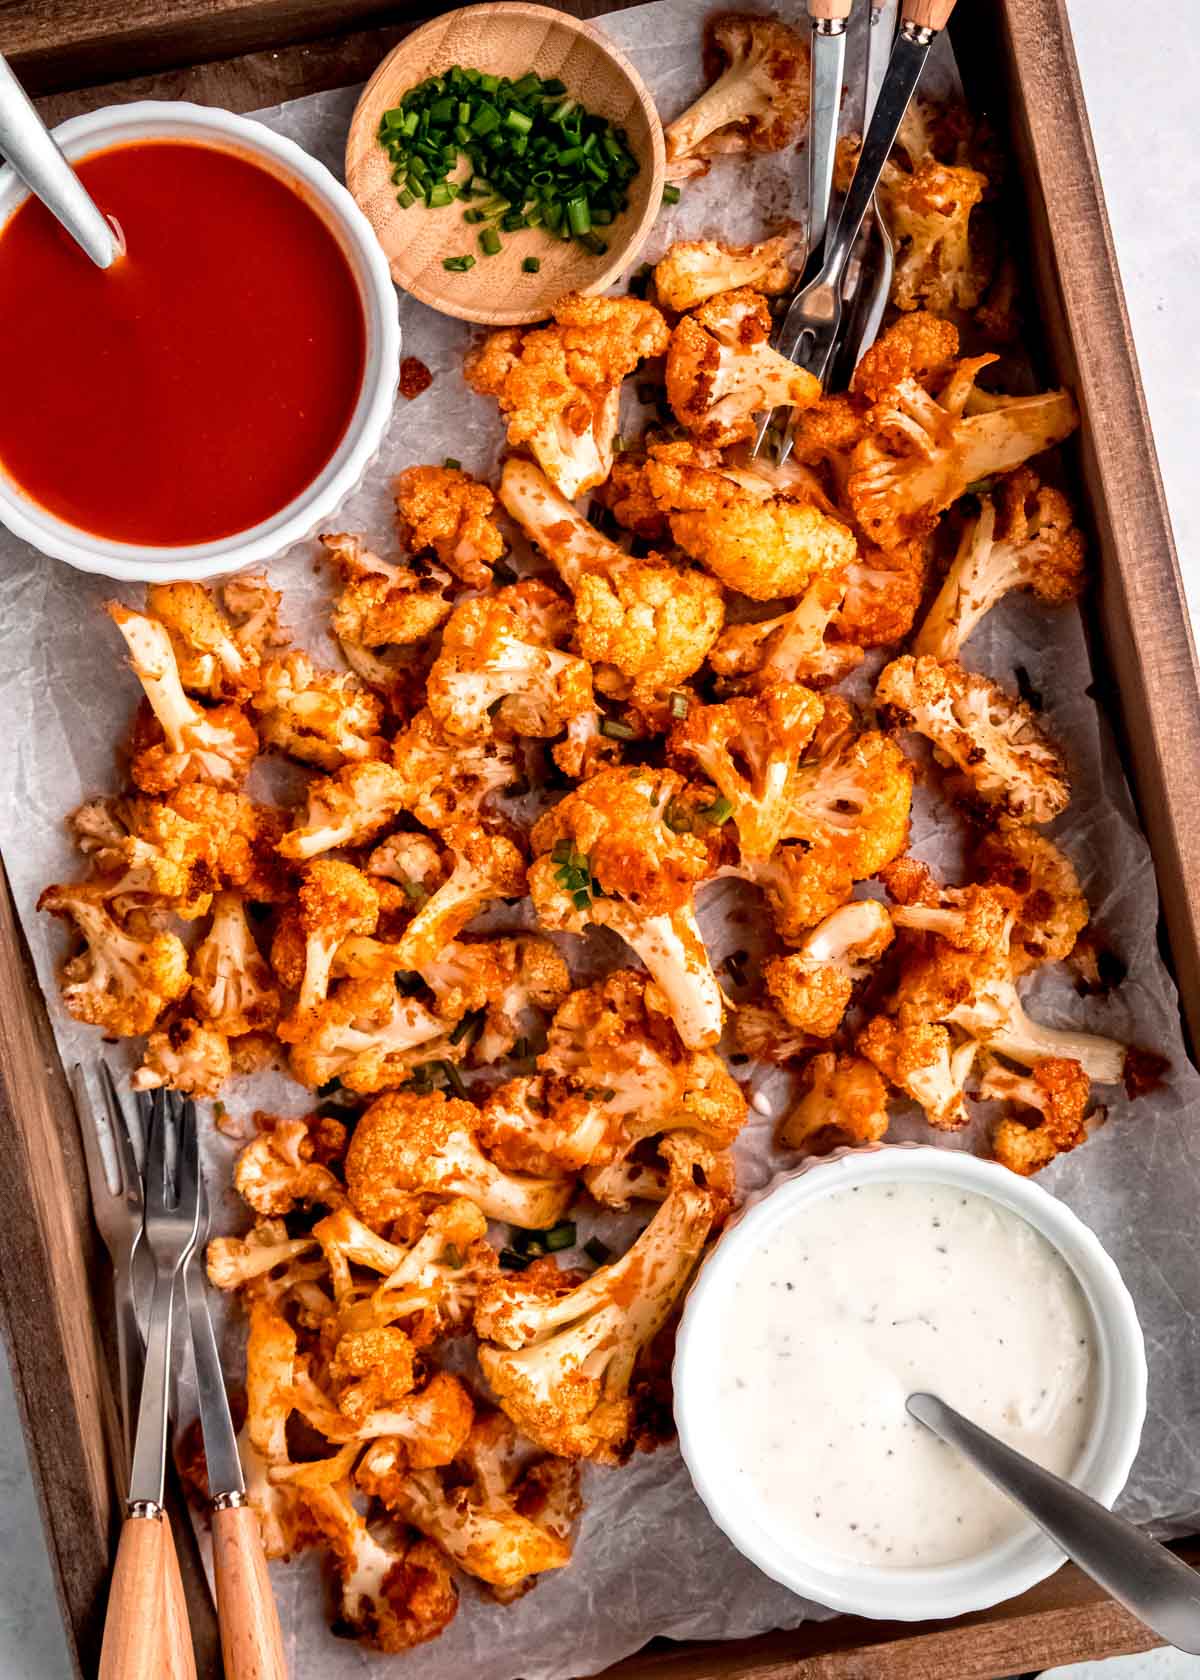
(202, 382)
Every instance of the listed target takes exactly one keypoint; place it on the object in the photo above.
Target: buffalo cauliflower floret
(252, 606)
(1029, 543)
(326, 718)
(794, 647)
(758, 101)
(443, 779)
(559, 386)
(721, 371)
(884, 588)
(391, 1596)
(183, 742)
(279, 1170)
(335, 901)
(652, 620)
(992, 738)
(992, 1011)
(531, 977)
(368, 1035)
(1052, 910)
(407, 1145)
(924, 1060)
(352, 805)
(614, 1071)
(1054, 1097)
(233, 1261)
(625, 851)
(696, 269)
(972, 918)
(148, 855)
(562, 1361)
(484, 867)
(445, 509)
(812, 985)
(491, 671)
(185, 1056)
(240, 835)
(803, 883)
(854, 800)
(921, 451)
(765, 549)
(490, 1515)
(382, 606)
(118, 981)
(211, 660)
(750, 748)
(844, 1101)
(232, 988)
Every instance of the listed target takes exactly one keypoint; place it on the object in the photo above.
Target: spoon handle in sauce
(1145, 1577)
(30, 148)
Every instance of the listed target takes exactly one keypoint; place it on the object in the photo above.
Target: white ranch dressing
(865, 1297)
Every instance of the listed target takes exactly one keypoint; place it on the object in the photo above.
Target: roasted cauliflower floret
(854, 801)
(391, 1596)
(758, 101)
(1053, 1098)
(148, 855)
(499, 1519)
(492, 672)
(651, 620)
(812, 985)
(721, 371)
(382, 606)
(751, 748)
(185, 1056)
(625, 851)
(484, 867)
(233, 1261)
(922, 451)
(559, 387)
(326, 718)
(368, 1035)
(118, 981)
(445, 509)
(211, 660)
(972, 918)
(884, 588)
(336, 900)
(1052, 911)
(924, 1060)
(694, 270)
(279, 1170)
(974, 725)
(232, 988)
(407, 1145)
(844, 1101)
(354, 804)
(562, 1362)
(765, 549)
(182, 742)
(794, 647)
(1029, 542)
(441, 779)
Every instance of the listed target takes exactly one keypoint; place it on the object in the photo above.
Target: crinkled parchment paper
(648, 1560)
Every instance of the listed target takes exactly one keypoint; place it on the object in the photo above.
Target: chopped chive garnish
(531, 265)
(718, 812)
(616, 730)
(458, 265)
(559, 1237)
(679, 705)
(489, 242)
(453, 1078)
(511, 1261)
(452, 463)
(670, 194)
(597, 1250)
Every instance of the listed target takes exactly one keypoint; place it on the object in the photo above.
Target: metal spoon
(1145, 1577)
(29, 147)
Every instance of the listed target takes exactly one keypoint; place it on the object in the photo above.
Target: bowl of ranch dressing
(863, 1278)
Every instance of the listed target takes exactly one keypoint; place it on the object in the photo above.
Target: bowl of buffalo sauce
(214, 395)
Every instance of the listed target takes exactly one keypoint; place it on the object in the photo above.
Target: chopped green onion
(597, 1250)
(405, 198)
(616, 730)
(511, 1261)
(594, 244)
(518, 121)
(670, 194)
(439, 196)
(531, 265)
(679, 705)
(718, 812)
(453, 1078)
(559, 1237)
(452, 463)
(489, 242)
(458, 265)
(474, 216)
(579, 215)
(678, 818)
(452, 1255)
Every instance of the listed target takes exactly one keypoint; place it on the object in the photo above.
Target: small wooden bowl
(506, 40)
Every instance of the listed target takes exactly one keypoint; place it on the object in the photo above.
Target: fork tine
(188, 1182)
(89, 1131)
(118, 1119)
(156, 1181)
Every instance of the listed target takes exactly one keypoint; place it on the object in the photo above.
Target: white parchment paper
(648, 1560)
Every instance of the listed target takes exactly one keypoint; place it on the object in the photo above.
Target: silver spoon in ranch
(1145, 1577)
(27, 144)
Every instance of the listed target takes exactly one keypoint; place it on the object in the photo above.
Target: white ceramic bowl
(116, 125)
(908, 1594)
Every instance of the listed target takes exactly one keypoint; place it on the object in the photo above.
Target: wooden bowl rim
(619, 259)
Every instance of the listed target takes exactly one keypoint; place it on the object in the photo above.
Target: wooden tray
(1018, 63)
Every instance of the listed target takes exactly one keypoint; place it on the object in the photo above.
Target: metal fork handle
(904, 72)
(825, 104)
(150, 1438)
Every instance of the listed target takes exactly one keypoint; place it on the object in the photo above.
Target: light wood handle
(251, 1642)
(179, 1633)
(829, 9)
(136, 1640)
(930, 14)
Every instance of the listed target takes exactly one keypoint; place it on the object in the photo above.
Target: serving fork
(143, 1638)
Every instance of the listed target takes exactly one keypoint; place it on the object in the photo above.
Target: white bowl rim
(1027, 1557)
(302, 517)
